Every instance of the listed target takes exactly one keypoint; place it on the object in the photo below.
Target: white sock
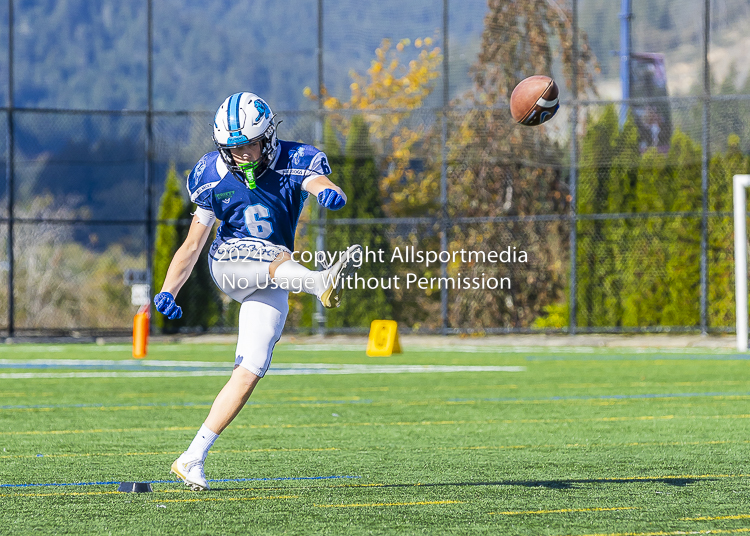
(203, 441)
(291, 275)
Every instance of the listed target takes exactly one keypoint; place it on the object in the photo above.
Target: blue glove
(331, 199)
(165, 304)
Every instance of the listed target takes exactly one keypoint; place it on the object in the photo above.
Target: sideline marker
(383, 340)
(140, 332)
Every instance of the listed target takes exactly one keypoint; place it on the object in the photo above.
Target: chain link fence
(629, 229)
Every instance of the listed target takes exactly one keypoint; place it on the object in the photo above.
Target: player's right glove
(331, 199)
(165, 304)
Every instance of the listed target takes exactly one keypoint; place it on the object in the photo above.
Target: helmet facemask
(250, 171)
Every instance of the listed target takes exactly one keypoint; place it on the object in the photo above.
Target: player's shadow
(564, 483)
(561, 484)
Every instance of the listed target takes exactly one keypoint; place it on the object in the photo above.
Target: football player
(256, 185)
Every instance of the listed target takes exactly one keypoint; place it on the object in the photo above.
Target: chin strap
(249, 170)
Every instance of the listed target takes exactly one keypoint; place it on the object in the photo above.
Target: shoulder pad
(301, 155)
(202, 179)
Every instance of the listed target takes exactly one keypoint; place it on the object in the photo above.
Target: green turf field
(563, 441)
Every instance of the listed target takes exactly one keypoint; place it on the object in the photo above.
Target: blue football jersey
(271, 210)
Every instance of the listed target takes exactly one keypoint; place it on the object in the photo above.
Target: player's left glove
(331, 199)
(165, 304)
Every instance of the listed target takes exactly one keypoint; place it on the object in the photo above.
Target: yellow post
(383, 340)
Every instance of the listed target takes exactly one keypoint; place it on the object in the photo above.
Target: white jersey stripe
(202, 189)
(547, 103)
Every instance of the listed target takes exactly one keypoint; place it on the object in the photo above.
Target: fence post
(444, 175)
(148, 181)
(10, 171)
(319, 316)
(572, 321)
(705, 149)
(626, 16)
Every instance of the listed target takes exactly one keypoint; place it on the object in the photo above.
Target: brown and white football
(534, 100)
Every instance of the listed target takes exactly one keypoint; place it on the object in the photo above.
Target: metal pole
(319, 317)
(444, 174)
(149, 146)
(705, 150)
(740, 259)
(625, 50)
(10, 171)
(574, 181)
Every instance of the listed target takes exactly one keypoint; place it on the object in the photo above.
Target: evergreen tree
(607, 184)
(594, 259)
(169, 236)
(646, 272)
(202, 298)
(721, 306)
(332, 147)
(682, 235)
(620, 233)
(198, 297)
(358, 179)
(301, 305)
(729, 116)
(743, 110)
(643, 296)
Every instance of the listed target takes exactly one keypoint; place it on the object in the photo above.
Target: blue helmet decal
(233, 112)
(263, 110)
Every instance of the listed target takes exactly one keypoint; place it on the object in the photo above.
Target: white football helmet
(241, 119)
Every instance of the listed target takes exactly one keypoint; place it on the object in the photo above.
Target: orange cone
(140, 332)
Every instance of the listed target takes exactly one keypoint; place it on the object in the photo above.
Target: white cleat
(190, 470)
(336, 274)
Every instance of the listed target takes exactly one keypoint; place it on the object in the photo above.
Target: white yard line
(282, 369)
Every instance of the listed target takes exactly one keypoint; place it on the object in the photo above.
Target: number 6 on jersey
(256, 223)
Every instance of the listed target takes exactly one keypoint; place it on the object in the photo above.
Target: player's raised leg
(328, 285)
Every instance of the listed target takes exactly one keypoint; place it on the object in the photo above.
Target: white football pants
(239, 268)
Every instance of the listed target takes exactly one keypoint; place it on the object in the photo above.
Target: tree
(386, 96)
(643, 272)
(169, 235)
(199, 298)
(359, 179)
(376, 119)
(487, 162)
(594, 253)
(721, 306)
(60, 283)
(497, 168)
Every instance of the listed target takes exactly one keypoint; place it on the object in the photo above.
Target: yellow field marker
(219, 499)
(563, 511)
(383, 339)
(717, 518)
(100, 431)
(367, 505)
(597, 445)
(170, 453)
(296, 401)
(397, 423)
(61, 494)
(673, 533)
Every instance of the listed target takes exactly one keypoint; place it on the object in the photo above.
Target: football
(534, 100)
